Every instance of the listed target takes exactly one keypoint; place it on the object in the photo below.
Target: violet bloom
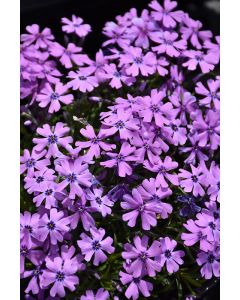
(208, 129)
(210, 226)
(31, 253)
(189, 206)
(116, 35)
(75, 26)
(28, 227)
(214, 182)
(161, 64)
(210, 263)
(150, 192)
(136, 62)
(39, 180)
(40, 39)
(82, 212)
(53, 96)
(123, 122)
(136, 286)
(195, 235)
(116, 77)
(206, 62)
(67, 252)
(121, 160)
(101, 203)
(60, 273)
(76, 175)
(52, 138)
(82, 81)
(191, 30)
(169, 44)
(163, 169)
(47, 194)
(211, 93)
(32, 162)
(35, 283)
(152, 107)
(165, 13)
(95, 143)
(101, 294)
(95, 246)
(143, 257)
(137, 207)
(196, 151)
(53, 226)
(172, 259)
(177, 133)
(69, 56)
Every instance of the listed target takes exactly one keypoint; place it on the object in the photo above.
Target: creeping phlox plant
(120, 159)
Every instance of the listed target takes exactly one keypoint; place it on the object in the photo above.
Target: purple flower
(53, 96)
(214, 182)
(34, 284)
(161, 63)
(136, 286)
(82, 212)
(190, 207)
(210, 263)
(211, 94)
(136, 62)
(35, 36)
(206, 62)
(75, 174)
(75, 26)
(191, 31)
(193, 181)
(95, 143)
(176, 133)
(69, 56)
(101, 294)
(46, 193)
(153, 107)
(171, 258)
(60, 273)
(142, 256)
(53, 226)
(101, 203)
(121, 160)
(209, 225)
(147, 210)
(163, 169)
(28, 228)
(30, 162)
(38, 181)
(82, 81)
(31, 253)
(165, 13)
(196, 235)
(95, 246)
(52, 138)
(208, 129)
(168, 44)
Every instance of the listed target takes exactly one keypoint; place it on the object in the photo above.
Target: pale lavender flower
(75, 26)
(210, 263)
(211, 93)
(40, 39)
(82, 81)
(206, 62)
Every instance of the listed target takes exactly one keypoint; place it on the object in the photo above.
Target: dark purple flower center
(174, 127)
(168, 254)
(40, 179)
(213, 95)
(136, 280)
(194, 178)
(120, 124)
(120, 157)
(82, 78)
(60, 276)
(210, 130)
(155, 197)
(162, 170)
(24, 251)
(81, 208)
(218, 185)
(96, 245)
(211, 258)
(167, 42)
(95, 140)
(141, 208)
(48, 192)
(98, 200)
(71, 177)
(212, 225)
(198, 58)
(51, 225)
(54, 96)
(216, 215)
(52, 139)
(37, 272)
(117, 74)
(30, 163)
(76, 25)
(143, 256)
(29, 228)
(146, 146)
(154, 108)
(138, 60)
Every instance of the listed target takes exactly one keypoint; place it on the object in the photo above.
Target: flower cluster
(136, 142)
